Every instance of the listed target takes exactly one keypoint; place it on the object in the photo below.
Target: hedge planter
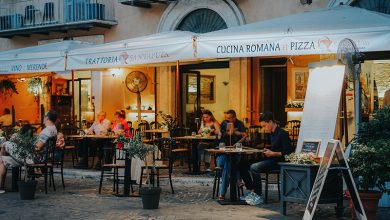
(27, 189)
(150, 197)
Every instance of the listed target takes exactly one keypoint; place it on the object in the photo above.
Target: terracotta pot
(370, 202)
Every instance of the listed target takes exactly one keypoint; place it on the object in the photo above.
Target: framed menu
(311, 146)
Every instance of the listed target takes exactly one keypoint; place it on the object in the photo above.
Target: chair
(58, 160)
(29, 14)
(182, 149)
(165, 145)
(154, 125)
(47, 166)
(255, 136)
(146, 137)
(217, 181)
(48, 12)
(267, 181)
(70, 145)
(119, 155)
(293, 128)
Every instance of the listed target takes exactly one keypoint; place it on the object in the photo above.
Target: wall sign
(311, 146)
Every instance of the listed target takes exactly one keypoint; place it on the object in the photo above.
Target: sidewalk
(192, 200)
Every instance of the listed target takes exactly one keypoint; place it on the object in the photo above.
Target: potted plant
(7, 87)
(24, 150)
(206, 132)
(369, 160)
(134, 147)
(169, 122)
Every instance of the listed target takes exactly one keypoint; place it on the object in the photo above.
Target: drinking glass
(238, 146)
(222, 145)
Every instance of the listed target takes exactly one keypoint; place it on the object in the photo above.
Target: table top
(156, 131)
(232, 150)
(197, 138)
(92, 136)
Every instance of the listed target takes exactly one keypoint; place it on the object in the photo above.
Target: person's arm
(91, 129)
(39, 145)
(217, 127)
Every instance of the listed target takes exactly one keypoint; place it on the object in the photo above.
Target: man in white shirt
(99, 127)
(6, 118)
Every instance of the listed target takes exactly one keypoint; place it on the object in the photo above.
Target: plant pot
(27, 189)
(370, 202)
(150, 197)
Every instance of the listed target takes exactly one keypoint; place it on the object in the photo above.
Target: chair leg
(52, 177)
(62, 175)
(214, 186)
(158, 177)
(278, 177)
(140, 181)
(113, 181)
(170, 180)
(101, 181)
(73, 157)
(218, 181)
(266, 189)
(46, 182)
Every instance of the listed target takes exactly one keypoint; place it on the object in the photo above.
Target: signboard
(333, 155)
(321, 103)
(311, 146)
(32, 65)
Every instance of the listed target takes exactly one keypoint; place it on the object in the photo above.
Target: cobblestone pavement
(192, 200)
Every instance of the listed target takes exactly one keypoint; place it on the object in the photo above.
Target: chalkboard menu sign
(311, 146)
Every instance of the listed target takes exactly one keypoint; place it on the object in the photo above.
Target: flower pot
(27, 189)
(370, 202)
(150, 197)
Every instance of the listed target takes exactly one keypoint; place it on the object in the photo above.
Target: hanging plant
(7, 87)
(35, 86)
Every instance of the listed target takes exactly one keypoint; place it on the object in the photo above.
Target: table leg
(233, 200)
(127, 180)
(195, 159)
(84, 154)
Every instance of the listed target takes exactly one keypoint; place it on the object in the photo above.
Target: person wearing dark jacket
(280, 146)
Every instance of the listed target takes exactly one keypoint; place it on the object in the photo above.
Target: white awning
(314, 32)
(38, 59)
(156, 48)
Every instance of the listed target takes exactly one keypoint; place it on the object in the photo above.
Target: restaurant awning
(156, 48)
(43, 58)
(314, 32)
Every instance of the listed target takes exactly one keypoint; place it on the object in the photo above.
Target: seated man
(7, 159)
(233, 131)
(280, 146)
(99, 127)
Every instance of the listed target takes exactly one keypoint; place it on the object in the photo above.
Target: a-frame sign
(333, 155)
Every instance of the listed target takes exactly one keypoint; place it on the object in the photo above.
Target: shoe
(255, 199)
(2, 191)
(221, 198)
(247, 196)
(208, 170)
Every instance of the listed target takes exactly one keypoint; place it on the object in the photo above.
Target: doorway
(273, 88)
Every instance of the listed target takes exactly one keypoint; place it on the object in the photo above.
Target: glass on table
(238, 146)
(222, 146)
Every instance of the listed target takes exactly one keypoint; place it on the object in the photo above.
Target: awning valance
(314, 32)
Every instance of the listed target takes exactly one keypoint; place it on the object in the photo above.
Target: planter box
(297, 182)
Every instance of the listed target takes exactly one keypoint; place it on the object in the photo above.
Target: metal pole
(155, 98)
(358, 105)
(178, 94)
(73, 119)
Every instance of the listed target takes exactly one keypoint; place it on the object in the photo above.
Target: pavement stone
(192, 200)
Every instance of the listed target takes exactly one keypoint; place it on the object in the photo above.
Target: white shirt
(99, 128)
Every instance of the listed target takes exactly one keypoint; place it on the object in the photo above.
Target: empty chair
(29, 15)
(119, 155)
(48, 12)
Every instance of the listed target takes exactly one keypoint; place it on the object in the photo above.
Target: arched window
(382, 6)
(202, 21)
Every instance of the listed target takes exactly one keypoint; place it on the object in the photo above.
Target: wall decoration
(207, 89)
(300, 77)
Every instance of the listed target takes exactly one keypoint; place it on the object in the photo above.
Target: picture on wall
(207, 89)
(300, 78)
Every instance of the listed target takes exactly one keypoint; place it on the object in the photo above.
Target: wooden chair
(165, 145)
(71, 145)
(119, 155)
(293, 129)
(182, 148)
(146, 137)
(47, 166)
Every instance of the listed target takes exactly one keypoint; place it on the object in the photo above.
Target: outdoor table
(85, 139)
(231, 152)
(194, 143)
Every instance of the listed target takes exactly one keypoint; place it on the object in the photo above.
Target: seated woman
(9, 159)
(120, 125)
(209, 124)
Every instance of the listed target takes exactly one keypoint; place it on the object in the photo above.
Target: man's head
(7, 111)
(231, 116)
(267, 121)
(51, 116)
(101, 116)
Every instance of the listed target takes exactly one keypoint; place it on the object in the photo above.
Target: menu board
(321, 103)
(311, 146)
